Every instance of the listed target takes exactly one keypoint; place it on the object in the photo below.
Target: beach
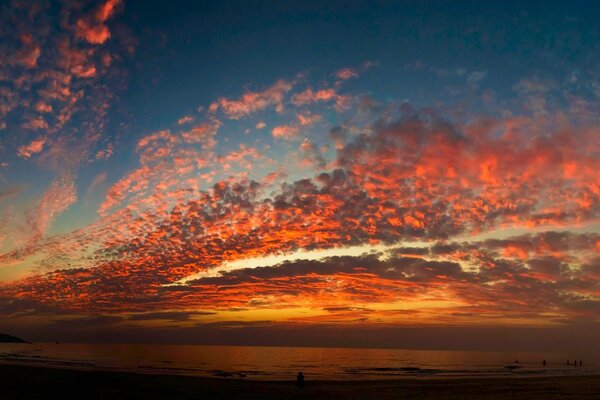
(24, 382)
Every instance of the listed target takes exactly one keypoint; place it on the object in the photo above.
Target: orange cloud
(307, 119)
(84, 72)
(528, 290)
(34, 147)
(324, 95)
(184, 120)
(30, 52)
(92, 27)
(309, 96)
(251, 102)
(285, 131)
(169, 228)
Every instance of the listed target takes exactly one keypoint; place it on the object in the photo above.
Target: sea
(283, 363)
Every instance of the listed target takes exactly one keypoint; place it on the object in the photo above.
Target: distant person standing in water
(580, 363)
(300, 379)
(544, 363)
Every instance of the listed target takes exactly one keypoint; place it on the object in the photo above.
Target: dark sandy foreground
(17, 382)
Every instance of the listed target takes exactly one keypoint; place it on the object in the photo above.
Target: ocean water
(282, 363)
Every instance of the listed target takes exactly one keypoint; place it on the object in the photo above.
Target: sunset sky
(192, 170)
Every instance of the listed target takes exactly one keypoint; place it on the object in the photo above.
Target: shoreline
(44, 382)
(233, 376)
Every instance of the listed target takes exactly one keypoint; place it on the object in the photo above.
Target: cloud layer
(469, 212)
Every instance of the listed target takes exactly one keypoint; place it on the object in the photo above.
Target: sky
(365, 173)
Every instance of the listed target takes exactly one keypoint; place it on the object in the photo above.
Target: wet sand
(20, 382)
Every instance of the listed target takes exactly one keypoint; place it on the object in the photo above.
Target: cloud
(43, 107)
(311, 155)
(307, 119)
(502, 288)
(92, 27)
(35, 123)
(346, 73)
(98, 181)
(166, 158)
(346, 309)
(251, 102)
(84, 71)
(285, 131)
(388, 184)
(293, 130)
(34, 147)
(185, 120)
(475, 77)
(309, 96)
(56, 199)
(91, 322)
(170, 229)
(203, 134)
(10, 192)
(29, 53)
(104, 154)
(174, 316)
(61, 88)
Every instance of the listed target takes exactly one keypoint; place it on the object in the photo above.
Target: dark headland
(19, 382)
(4, 338)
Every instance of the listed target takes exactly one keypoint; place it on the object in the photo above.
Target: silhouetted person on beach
(580, 363)
(516, 361)
(544, 363)
(300, 379)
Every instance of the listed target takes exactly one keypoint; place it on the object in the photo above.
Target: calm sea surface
(282, 363)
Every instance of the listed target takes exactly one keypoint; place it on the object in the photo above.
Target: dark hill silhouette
(4, 338)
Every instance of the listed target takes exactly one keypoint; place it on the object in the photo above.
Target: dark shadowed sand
(18, 382)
